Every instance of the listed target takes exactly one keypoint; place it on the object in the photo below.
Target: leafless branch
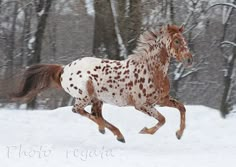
(221, 4)
(228, 43)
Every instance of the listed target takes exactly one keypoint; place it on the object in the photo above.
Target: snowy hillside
(60, 138)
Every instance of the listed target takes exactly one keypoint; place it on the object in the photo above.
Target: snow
(226, 14)
(41, 13)
(64, 139)
(90, 7)
(221, 4)
(31, 42)
(228, 42)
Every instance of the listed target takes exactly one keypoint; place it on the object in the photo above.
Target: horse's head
(177, 46)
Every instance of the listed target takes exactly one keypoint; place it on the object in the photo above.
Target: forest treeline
(60, 31)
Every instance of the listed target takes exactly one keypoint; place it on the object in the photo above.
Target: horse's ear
(181, 28)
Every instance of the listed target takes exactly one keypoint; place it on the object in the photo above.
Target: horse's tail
(36, 79)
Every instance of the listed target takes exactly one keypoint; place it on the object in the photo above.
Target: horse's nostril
(190, 60)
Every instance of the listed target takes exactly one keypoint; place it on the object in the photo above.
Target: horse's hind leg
(151, 111)
(97, 112)
(171, 102)
(79, 108)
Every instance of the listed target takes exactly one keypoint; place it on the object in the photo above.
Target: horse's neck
(158, 58)
(153, 53)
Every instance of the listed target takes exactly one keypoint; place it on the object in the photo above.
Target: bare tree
(229, 63)
(229, 56)
(225, 107)
(9, 14)
(26, 33)
(123, 23)
(105, 39)
(133, 24)
(130, 22)
(191, 22)
(42, 10)
(8, 33)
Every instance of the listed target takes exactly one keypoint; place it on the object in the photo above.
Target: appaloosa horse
(140, 81)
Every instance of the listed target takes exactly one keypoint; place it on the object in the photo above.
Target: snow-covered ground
(60, 138)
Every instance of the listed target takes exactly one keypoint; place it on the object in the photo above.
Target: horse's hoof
(102, 131)
(121, 140)
(144, 130)
(179, 134)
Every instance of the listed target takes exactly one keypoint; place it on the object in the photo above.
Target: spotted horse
(140, 81)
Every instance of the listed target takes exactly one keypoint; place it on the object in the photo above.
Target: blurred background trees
(50, 31)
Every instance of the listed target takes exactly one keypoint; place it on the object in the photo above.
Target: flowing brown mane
(146, 39)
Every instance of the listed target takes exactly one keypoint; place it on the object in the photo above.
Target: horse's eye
(177, 42)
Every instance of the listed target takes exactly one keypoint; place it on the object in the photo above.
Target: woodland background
(60, 31)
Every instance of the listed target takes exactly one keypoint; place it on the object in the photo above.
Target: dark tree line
(47, 31)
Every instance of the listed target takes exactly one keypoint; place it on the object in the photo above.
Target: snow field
(64, 139)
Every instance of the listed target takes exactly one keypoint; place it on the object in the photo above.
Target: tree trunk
(224, 107)
(134, 22)
(174, 90)
(52, 32)
(172, 12)
(42, 9)
(42, 21)
(11, 42)
(105, 40)
(0, 6)
(25, 50)
(130, 21)
(10, 46)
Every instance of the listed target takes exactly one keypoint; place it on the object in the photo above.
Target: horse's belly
(107, 98)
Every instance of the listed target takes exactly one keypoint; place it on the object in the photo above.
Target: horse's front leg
(171, 102)
(151, 111)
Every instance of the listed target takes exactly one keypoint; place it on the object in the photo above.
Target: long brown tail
(36, 79)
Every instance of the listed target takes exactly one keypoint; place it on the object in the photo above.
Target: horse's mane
(148, 38)
(145, 40)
